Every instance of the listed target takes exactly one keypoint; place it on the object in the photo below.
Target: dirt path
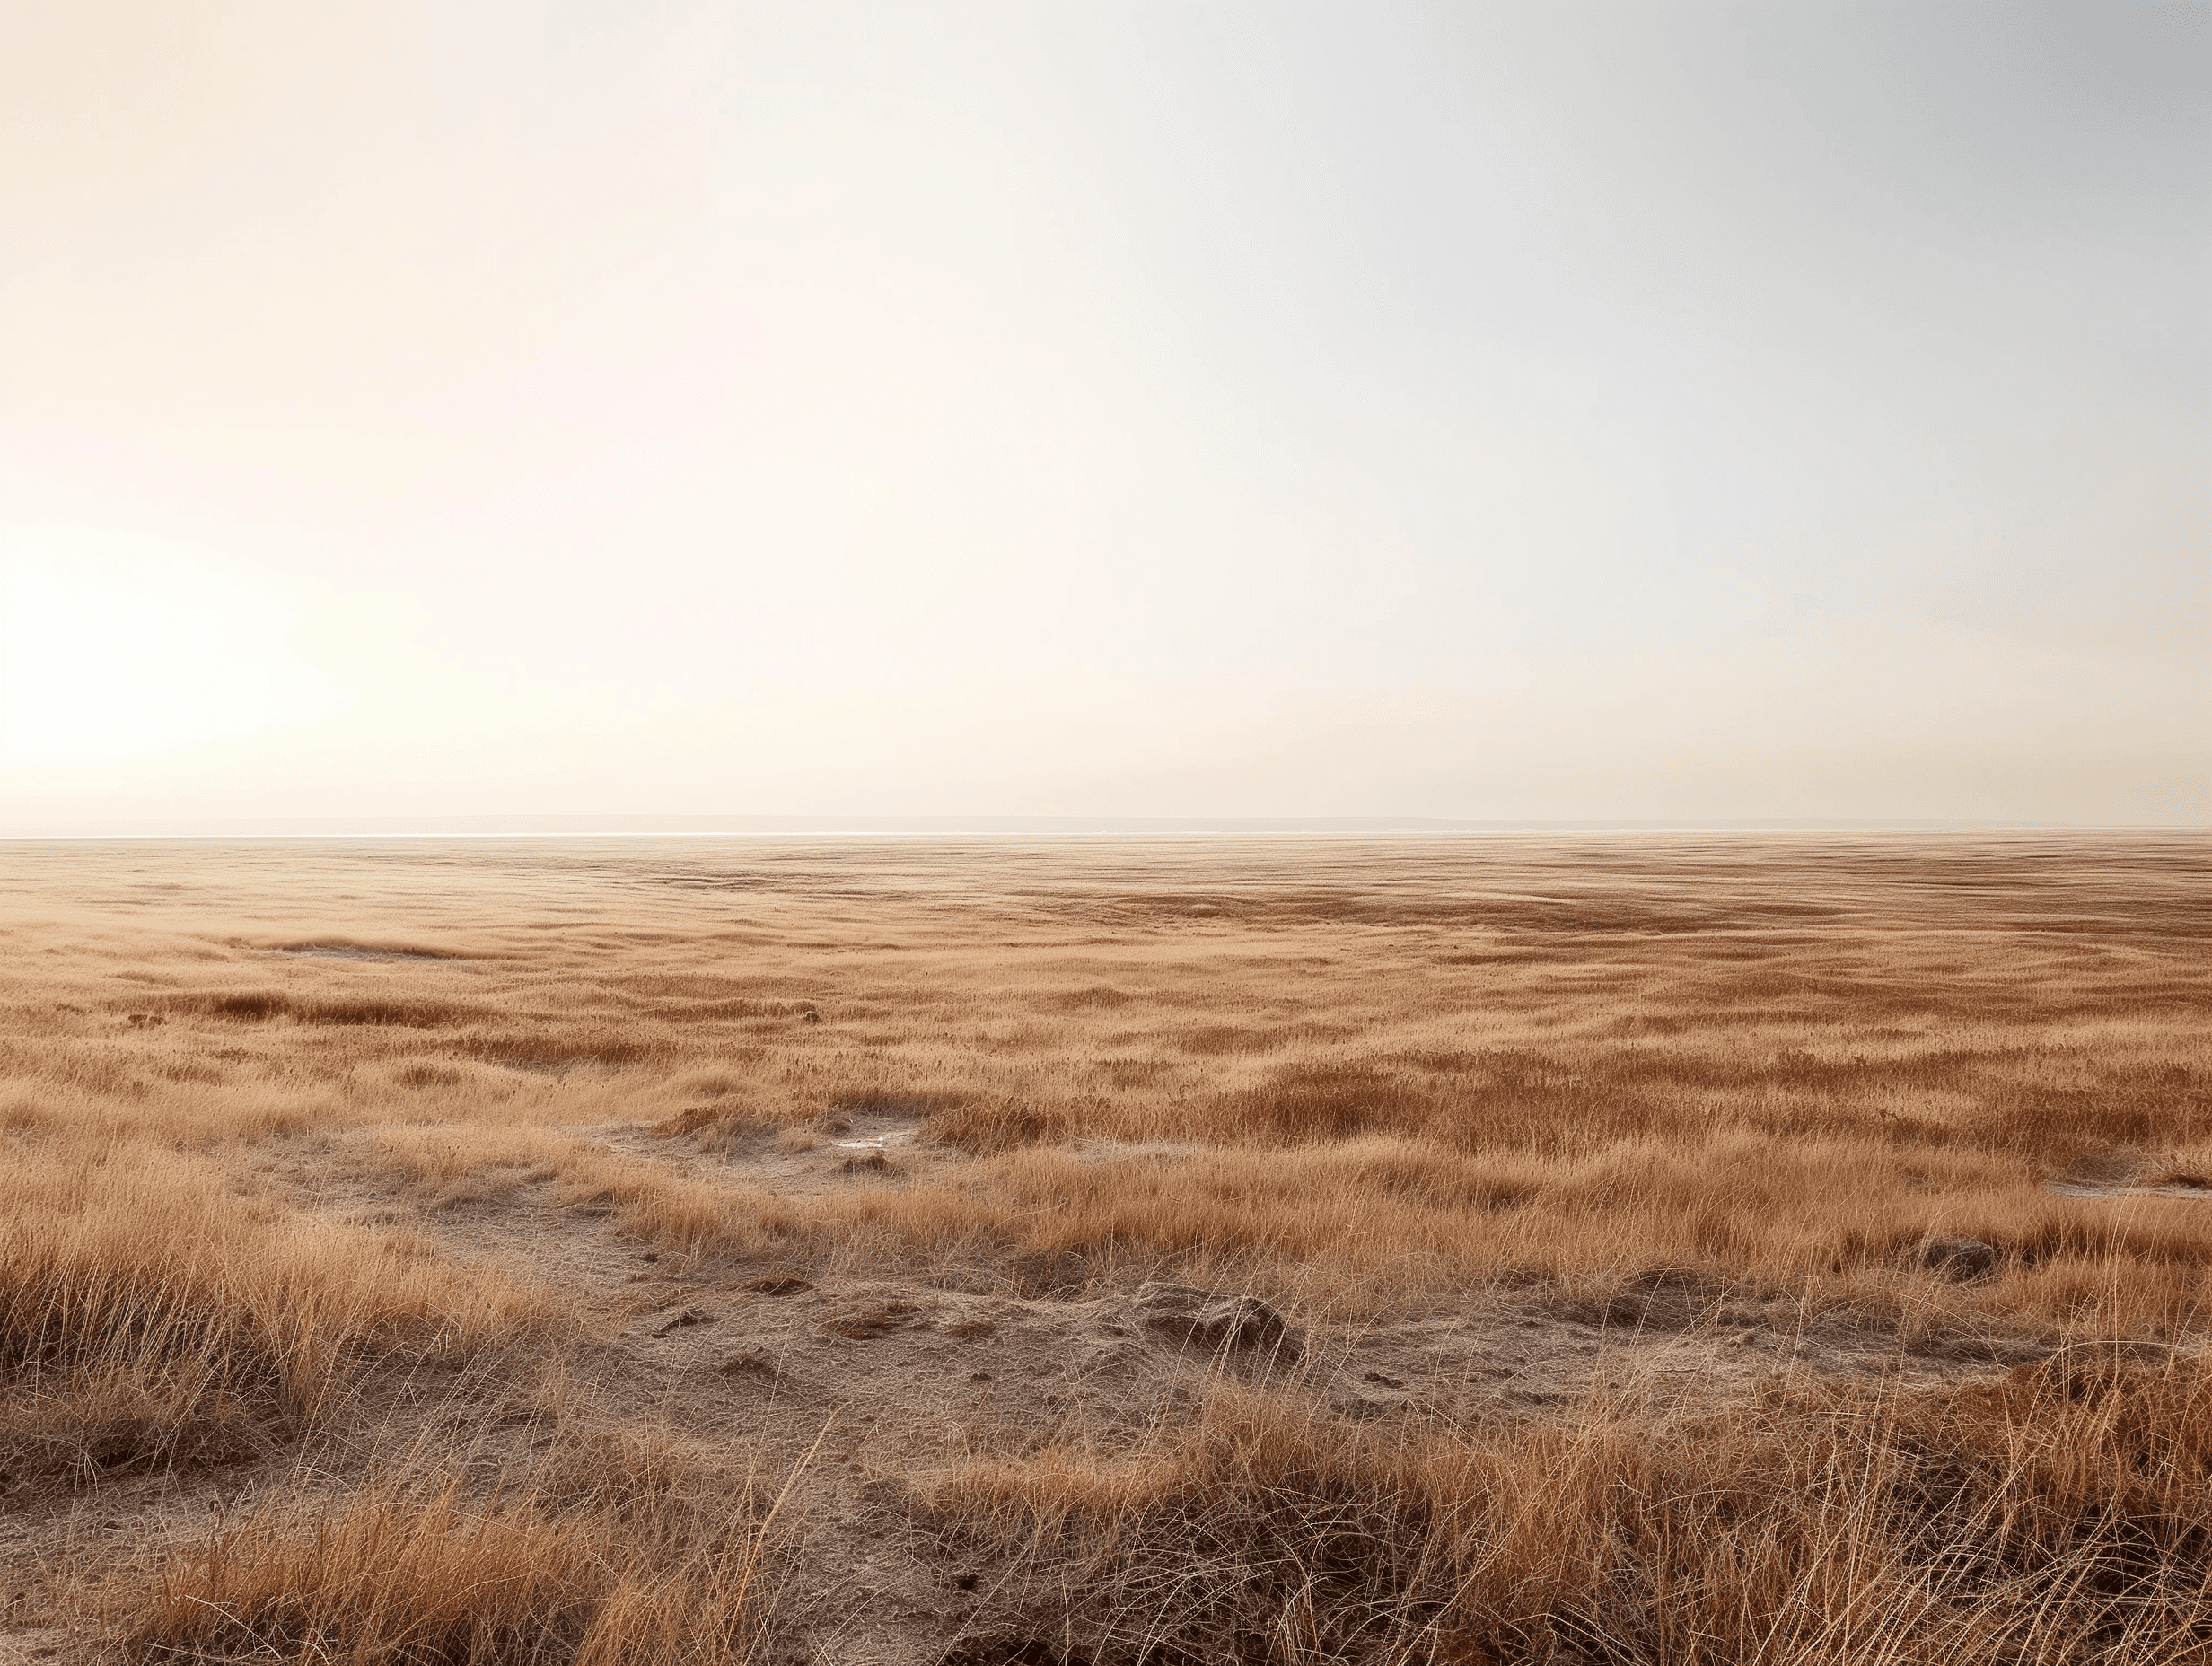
(857, 1383)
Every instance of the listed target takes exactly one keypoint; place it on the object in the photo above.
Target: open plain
(1574, 1249)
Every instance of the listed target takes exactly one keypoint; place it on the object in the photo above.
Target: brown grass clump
(389, 1578)
(412, 1573)
(2062, 1514)
(148, 1319)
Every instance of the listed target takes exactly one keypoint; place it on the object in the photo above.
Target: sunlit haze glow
(1491, 411)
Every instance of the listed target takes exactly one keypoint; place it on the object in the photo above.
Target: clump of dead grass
(2058, 1514)
(616, 1550)
(148, 1317)
(1385, 1219)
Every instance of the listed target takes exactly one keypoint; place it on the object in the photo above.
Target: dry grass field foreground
(1631, 1250)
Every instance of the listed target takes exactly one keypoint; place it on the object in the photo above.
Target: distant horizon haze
(1014, 828)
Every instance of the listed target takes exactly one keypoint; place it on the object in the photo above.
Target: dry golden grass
(2059, 1514)
(1363, 1078)
(619, 1552)
(148, 1315)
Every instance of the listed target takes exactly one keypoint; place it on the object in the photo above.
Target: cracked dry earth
(856, 1381)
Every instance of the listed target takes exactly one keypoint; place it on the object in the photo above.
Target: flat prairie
(1573, 1250)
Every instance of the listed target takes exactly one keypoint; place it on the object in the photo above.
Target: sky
(1643, 410)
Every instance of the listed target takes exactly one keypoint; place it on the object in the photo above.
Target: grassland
(1723, 1251)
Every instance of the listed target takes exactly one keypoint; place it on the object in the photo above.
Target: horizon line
(489, 827)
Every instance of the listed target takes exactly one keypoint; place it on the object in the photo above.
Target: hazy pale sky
(1644, 409)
